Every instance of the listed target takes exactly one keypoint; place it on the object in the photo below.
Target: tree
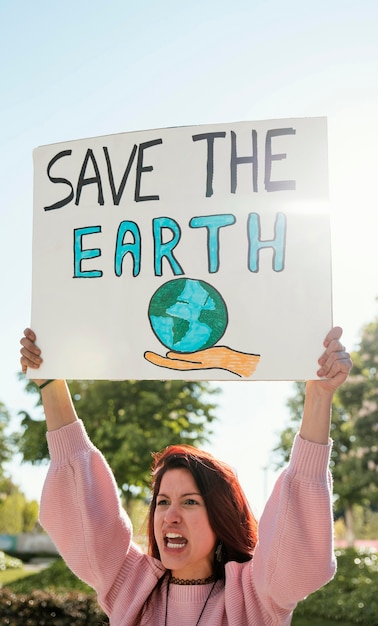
(354, 459)
(16, 513)
(360, 398)
(128, 420)
(5, 446)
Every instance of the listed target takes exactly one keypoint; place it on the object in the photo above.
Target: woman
(205, 565)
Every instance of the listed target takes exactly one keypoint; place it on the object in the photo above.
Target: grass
(11, 575)
(313, 621)
(55, 578)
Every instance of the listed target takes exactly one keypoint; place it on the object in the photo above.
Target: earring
(218, 552)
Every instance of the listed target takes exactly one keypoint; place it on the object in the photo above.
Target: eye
(162, 502)
(191, 501)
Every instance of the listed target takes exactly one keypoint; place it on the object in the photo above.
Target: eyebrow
(183, 495)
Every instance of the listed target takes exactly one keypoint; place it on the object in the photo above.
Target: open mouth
(175, 541)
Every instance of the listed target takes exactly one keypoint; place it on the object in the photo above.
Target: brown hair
(230, 516)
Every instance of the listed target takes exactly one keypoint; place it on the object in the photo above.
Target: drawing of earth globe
(187, 315)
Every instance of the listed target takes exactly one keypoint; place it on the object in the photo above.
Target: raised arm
(80, 506)
(335, 365)
(294, 555)
(56, 398)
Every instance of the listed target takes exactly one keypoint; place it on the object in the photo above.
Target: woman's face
(182, 530)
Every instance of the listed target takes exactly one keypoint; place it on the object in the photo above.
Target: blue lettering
(213, 223)
(255, 243)
(80, 254)
(165, 250)
(122, 248)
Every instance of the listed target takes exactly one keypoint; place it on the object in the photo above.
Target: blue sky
(79, 69)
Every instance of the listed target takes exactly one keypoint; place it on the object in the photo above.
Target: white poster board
(197, 252)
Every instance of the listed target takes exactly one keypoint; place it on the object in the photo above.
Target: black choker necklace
(192, 581)
(200, 581)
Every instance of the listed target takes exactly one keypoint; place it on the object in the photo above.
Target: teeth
(176, 545)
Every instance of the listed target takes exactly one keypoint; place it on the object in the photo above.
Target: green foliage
(41, 608)
(5, 444)
(57, 578)
(9, 562)
(30, 515)
(303, 621)
(32, 441)
(52, 596)
(127, 420)
(17, 514)
(354, 430)
(351, 596)
(366, 522)
(360, 396)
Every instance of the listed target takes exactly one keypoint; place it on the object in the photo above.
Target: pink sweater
(81, 511)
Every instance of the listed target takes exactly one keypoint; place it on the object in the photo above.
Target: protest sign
(199, 252)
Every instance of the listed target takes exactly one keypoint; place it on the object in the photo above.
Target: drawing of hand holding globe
(188, 317)
(219, 357)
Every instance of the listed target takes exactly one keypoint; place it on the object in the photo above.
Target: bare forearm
(58, 405)
(316, 421)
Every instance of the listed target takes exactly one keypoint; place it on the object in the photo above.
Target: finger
(334, 352)
(171, 363)
(30, 334)
(185, 356)
(161, 361)
(28, 364)
(334, 333)
(30, 350)
(335, 364)
(28, 341)
(339, 372)
(30, 354)
(24, 366)
(333, 347)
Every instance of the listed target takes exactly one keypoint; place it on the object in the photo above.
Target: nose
(172, 515)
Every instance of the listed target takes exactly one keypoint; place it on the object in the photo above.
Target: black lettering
(210, 158)
(144, 168)
(89, 181)
(117, 195)
(276, 185)
(235, 161)
(55, 179)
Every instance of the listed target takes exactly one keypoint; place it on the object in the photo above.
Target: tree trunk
(349, 523)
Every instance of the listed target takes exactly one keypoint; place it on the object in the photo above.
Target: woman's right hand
(30, 354)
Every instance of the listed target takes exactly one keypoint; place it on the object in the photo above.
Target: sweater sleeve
(294, 555)
(81, 510)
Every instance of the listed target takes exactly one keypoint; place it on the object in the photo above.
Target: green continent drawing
(187, 315)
